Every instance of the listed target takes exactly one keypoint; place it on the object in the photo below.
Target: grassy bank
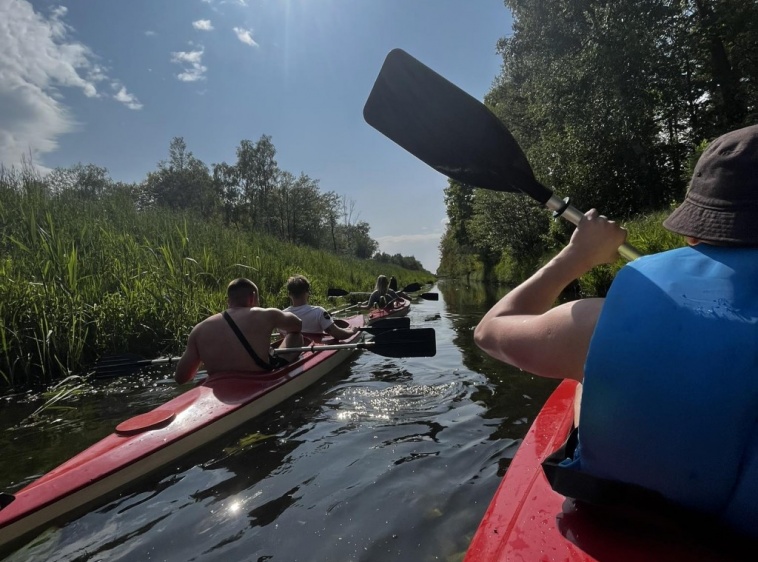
(82, 277)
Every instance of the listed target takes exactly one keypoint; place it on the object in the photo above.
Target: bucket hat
(721, 205)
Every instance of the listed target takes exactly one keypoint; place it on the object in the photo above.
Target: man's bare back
(213, 342)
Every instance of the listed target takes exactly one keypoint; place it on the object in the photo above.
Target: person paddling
(238, 338)
(669, 359)
(316, 320)
(382, 295)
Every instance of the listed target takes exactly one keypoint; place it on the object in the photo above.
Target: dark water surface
(384, 459)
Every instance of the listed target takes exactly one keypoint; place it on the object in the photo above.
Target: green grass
(81, 278)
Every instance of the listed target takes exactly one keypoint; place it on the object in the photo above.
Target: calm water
(385, 459)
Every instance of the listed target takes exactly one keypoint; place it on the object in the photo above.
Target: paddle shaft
(562, 208)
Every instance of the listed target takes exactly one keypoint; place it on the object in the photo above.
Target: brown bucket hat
(721, 205)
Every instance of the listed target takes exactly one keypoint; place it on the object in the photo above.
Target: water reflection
(387, 459)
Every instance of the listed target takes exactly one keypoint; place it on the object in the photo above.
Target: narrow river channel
(383, 460)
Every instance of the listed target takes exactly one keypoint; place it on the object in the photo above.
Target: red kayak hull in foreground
(528, 521)
(397, 309)
(150, 441)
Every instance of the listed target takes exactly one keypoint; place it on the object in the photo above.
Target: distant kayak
(527, 520)
(398, 308)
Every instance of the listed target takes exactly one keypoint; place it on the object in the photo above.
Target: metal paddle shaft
(417, 342)
(455, 134)
(127, 364)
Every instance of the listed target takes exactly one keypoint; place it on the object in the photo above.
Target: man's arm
(188, 364)
(524, 330)
(340, 333)
(285, 321)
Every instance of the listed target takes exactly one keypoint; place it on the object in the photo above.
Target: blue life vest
(670, 399)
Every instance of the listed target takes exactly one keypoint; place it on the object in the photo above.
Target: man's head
(722, 199)
(242, 292)
(298, 287)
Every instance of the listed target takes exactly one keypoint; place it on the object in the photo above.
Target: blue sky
(111, 82)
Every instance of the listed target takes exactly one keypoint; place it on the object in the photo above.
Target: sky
(111, 82)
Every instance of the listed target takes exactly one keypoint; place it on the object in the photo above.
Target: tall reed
(83, 277)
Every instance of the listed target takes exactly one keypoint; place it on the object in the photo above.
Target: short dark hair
(240, 290)
(298, 285)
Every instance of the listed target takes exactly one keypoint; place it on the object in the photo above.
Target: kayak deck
(152, 440)
(528, 521)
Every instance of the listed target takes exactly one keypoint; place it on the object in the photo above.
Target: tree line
(612, 103)
(252, 194)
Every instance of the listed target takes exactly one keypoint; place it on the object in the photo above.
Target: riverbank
(84, 277)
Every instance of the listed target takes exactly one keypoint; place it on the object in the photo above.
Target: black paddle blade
(412, 288)
(388, 324)
(6, 499)
(430, 296)
(336, 292)
(447, 128)
(419, 342)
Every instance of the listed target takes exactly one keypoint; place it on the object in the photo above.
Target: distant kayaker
(382, 295)
(238, 339)
(669, 359)
(316, 319)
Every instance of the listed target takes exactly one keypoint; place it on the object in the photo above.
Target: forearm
(538, 294)
(185, 370)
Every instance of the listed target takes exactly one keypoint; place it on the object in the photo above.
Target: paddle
(430, 296)
(387, 324)
(418, 342)
(127, 364)
(340, 311)
(6, 499)
(412, 288)
(455, 134)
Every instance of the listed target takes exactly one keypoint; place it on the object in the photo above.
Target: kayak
(527, 520)
(149, 441)
(398, 308)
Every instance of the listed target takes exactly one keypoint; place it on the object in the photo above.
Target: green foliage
(611, 103)
(82, 276)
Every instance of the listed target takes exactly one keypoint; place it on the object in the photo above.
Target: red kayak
(398, 308)
(152, 440)
(528, 521)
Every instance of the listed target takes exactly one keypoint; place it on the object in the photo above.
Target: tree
(183, 182)
(257, 173)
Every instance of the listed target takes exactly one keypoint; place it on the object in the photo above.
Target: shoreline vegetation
(85, 275)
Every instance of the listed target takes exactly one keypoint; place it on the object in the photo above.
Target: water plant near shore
(86, 276)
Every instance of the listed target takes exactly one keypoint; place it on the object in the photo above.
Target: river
(384, 459)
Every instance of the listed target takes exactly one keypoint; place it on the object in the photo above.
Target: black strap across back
(246, 344)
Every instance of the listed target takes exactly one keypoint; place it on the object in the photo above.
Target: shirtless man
(213, 341)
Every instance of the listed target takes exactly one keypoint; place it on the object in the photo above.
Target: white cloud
(39, 59)
(246, 36)
(150, 33)
(129, 100)
(203, 25)
(192, 61)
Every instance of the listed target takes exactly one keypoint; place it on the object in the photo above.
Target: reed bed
(84, 277)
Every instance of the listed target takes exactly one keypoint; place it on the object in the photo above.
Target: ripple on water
(400, 401)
